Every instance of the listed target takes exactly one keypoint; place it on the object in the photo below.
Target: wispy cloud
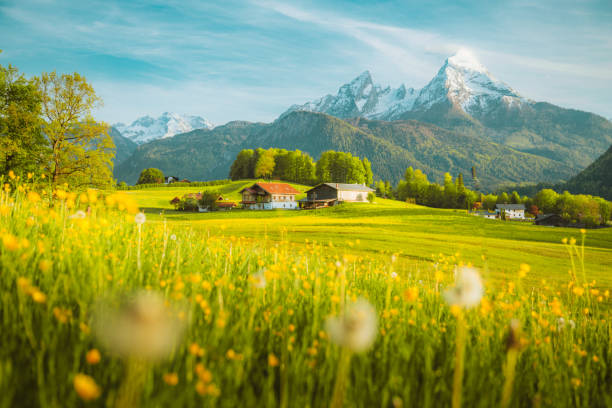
(407, 46)
(251, 60)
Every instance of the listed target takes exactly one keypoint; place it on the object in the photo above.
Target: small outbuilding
(551, 220)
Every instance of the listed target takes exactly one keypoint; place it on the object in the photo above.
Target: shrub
(151, 175)
(187, 204)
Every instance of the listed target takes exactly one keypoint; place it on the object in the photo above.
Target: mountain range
(147, 128)
(462, 81)
(463, 117)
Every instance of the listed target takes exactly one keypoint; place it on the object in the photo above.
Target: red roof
(278, 188)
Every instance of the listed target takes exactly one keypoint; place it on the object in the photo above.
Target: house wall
(354, 196)
(513, 214)
(323, 192)
(278, 205)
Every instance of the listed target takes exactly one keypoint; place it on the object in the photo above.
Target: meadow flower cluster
(100, 305)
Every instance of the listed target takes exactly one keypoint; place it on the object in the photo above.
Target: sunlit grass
(254, 294)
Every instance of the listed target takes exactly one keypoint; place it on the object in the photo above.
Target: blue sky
(250, 60)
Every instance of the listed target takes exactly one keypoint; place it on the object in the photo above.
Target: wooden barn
(552, 220)
(329, 194)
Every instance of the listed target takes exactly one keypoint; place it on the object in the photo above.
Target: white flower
(140, 218)
(141, 327)
(356, 329)
(173, 237)
(259, 279)
(561, 323)
(393, 275)
(468, 289)
(78, 215)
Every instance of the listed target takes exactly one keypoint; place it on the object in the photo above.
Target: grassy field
(410, 231)
(356, 306)
(159, 198)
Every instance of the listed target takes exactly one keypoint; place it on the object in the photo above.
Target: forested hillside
(391, 147)
(596, 179)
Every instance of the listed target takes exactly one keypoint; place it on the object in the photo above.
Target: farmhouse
(269, 196)
(328, 194)
(512, 211)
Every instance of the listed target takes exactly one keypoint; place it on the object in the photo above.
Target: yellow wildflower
(93, 356)
(10, 242)
(272, 360)
(86, 387)
(524, 270)
(38, 296)
(44, 265)
(33, 197)
(171, 379)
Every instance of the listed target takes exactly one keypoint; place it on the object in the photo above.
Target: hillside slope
(596, 179)
(124, 147)
(464, 97)
(198, 155)
(390, 146)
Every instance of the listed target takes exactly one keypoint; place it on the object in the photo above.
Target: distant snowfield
(147, 128)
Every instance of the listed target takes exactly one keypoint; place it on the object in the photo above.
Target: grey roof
(510, 206)
(347, 187)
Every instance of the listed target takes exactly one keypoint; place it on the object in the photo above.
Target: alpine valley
(463, 117)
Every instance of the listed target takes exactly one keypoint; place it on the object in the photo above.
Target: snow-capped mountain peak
(466, 83)
(462, 81)
(361, 97)
(147, 128)
(465, 59)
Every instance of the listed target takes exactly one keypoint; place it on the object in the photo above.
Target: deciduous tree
(81, 148)
(151, 176)
(23, 147)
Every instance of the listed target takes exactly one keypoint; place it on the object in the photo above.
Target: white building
(329, 194)
(269, 196)
(511, 211)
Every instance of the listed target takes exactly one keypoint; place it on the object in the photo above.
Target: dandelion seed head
(259, 279)
(79, 215)
(468, 289)
(140, 218)
(142, 326)
(356, 328)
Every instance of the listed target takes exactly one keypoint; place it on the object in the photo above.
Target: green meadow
(353, 306)
(412, 232)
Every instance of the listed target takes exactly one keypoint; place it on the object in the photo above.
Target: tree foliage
(23, 147)
(81, 148)
(264, 165)
(415, 187)
(209, 199)
(299, 167)
(151, 176)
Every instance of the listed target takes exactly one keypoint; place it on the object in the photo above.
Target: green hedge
(175, 185)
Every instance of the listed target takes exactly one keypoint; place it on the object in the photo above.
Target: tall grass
(254, 314)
